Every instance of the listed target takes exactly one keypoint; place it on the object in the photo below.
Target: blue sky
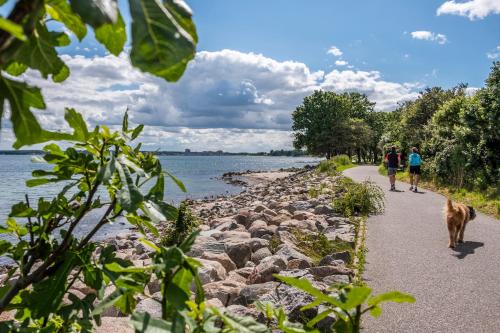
(258, 59)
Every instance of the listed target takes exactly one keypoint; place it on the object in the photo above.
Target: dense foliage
(163, 41)
(457, 133)
(329, 124)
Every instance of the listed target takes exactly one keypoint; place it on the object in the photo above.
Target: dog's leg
(461, 233)
(453, 234)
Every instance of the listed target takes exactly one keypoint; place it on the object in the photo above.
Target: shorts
(415, 169)
(391, 171)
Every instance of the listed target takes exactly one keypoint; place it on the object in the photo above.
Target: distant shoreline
(181, 153)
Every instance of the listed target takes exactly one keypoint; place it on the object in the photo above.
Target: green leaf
(12, 28)
(375, 311)
(240, 324)
(144, 323)
(107, 302)
(39, 53)
(319, 317)
(137, 131)
(96, 12)
(163, 37)
(47, 295)
(62, 75)
(79, 126)
(21, 209)
(391, 296)
(356, 296)
(305, 285)
(129, 196)
(16, 68)
(125, 121)
(5, 246)
(105, 172)
(157, 192)
(112, 36)
(179, 184)
(60, 11)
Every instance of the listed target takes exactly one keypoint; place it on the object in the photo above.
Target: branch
(103, 221)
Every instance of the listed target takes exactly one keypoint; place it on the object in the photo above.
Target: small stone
(298, 264)
(260, 254)
(150, 306)
(221, 258)
(324, 271)
(239, 251)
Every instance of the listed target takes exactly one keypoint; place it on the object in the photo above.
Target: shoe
(415, 190)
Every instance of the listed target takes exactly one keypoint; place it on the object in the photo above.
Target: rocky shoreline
(247, 238)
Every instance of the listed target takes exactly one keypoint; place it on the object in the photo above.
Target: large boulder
(324, 271)
(239, 251)
(323, 210)
(257, 243)
(206, 244)
(221, 258)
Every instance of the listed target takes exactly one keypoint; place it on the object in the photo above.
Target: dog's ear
(472, 213)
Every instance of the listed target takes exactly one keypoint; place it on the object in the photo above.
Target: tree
(322, 122)
(163, 42)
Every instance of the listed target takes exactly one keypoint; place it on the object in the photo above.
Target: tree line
(457, 132)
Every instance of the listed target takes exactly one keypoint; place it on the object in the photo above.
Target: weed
(359, 198)
(185, 224)
(317, 245)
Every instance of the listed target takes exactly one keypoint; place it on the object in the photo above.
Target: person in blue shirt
(414, 160)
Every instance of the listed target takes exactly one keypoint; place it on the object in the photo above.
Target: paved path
(456, 290)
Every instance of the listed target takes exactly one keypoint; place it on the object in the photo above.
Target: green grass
(488, 203)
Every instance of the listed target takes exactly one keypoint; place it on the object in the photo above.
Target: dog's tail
(449, 205)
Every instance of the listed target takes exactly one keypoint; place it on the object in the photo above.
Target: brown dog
(457, 215)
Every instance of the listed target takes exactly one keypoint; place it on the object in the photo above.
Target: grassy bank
(336, 164)
(488, 204)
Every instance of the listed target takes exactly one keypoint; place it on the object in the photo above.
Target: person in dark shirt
(392, 167)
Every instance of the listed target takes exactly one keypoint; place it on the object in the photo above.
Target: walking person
(392, 167)
(415, 161)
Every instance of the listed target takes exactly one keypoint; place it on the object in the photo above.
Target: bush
(359, 198)
(342, 160)
(185, 224)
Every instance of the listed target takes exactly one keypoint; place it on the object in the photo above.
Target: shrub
(359, 198)
(327, 166)
(185, 224)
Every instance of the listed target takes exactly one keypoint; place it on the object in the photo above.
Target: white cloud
(341, 63)
(335, 51)
(473, 9)
(226, 99)
(386, 94)
(430, 36)
(495, 54)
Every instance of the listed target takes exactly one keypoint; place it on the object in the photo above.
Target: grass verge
(483, 202)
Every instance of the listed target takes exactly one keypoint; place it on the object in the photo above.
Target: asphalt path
(456, 290)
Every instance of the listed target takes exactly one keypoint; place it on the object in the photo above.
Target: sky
(257, 60)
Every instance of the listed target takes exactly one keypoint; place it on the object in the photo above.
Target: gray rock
(233, 234)
(206, 245)
(226, 291)
(245, 271)
(298, 264)
(150, 306)
(154, 286)
(289, 253)
(257, 243)
(260, 254)
(336, 279)
(239, 251)
(221, 258)
(324, 271)
(253, 292)
(243, 311)
(211, 271)
(330, 260)
(323, 210)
